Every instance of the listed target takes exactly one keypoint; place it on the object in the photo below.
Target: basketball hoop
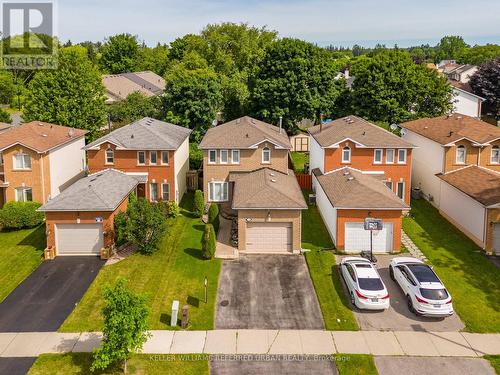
(375, 233)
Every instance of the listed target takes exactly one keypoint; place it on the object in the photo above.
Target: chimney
(346, 74)
(281, 123)
(320, 122)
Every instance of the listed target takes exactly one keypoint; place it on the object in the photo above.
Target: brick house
(360, 170)
(246, 170)
(457, 168)
(155, 151)
(38, 160)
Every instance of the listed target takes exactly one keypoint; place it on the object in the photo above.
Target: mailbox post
(175, 312)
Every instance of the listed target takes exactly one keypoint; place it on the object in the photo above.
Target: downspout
(43, 178)
(485, 231)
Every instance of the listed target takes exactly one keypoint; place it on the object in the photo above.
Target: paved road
(16, 366)
(46, 297)
(427, 365)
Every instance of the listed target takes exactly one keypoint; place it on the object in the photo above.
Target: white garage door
(269, 237)
(79, 239)
(358, 239)
(496, 238)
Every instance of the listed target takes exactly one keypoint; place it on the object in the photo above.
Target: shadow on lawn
(195, 253)
(339, 285)
(35, 238)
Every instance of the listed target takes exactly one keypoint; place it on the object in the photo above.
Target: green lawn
(79, 363)
(175, 271)
(495, 362)
(355, 364)
(298, 160)
(336, 310)
(20, 253)
(469, 276)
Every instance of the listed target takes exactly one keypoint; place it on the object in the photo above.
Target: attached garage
(358, 239)
(268, 237)
(79, 239)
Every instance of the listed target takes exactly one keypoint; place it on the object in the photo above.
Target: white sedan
(425, 293)
(366, 288)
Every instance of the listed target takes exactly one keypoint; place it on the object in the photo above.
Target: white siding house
(316, 155)
(326, 210)
(466, 103)
(181, 167)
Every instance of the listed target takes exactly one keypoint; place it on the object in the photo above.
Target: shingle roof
(464, 87)
(244, 132)
(349, 188)
(145, 134)
(358, 130)
(39, 136)
(449, 129)
(119, 86)
(267, 189)
(479, 183)
(4, 126)
(102, 191)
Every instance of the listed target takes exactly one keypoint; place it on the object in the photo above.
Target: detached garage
(80, 220)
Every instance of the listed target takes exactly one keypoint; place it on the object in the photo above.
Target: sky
(338, 22)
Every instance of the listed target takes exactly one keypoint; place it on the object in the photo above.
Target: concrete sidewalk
(435, 344)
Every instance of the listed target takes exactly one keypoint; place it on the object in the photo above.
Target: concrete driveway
(272, 367)
(267, 292)
(398, 317)
(46, 297)
(432, 365)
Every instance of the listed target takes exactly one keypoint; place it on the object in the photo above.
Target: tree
(5, 117)
(478, 55)
(154, 59)
(71, 95)
(134, 107)
(391, 87)
(486, 83)
(450, 47)
(125, 323)
(296, 80)
(208, 242)
(199, 203)
(7, 87)
(213, 216)
(119, 54)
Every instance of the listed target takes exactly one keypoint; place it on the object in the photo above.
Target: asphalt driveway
(398, 317)
(432, 365)
(46, 297)
(267, 292)
(16, 366)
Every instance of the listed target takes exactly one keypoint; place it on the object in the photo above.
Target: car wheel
(410, 305)
(391, 273)
(353, 300)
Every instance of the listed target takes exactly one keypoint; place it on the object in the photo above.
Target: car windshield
(370, 284)
(423, 273)
(434, 294)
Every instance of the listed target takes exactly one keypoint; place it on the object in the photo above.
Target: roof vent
(71, 132)
(426, 127)
(252, 121)
(272, 174)
(132, 136)
(350, 178)
(364, 133)
(44, 135)
(247, 135)
(458, 117)
(237, 120)
(273, 180)
(346, 173)
(451, 133)
(40, 124)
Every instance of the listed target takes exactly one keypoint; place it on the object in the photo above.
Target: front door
(141, 191)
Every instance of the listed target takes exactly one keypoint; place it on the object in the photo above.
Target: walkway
(429, 344)
(224, 250)
(412, 248)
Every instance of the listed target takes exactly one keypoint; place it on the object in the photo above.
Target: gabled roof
(145, 134)
(39, 136)
(449, 129)
(119, 86)
(102, 191)
(359, 131)
(349, 188)
(479, 183)
(4, 126)
(266, 189)
(244, 132)
(464, 87)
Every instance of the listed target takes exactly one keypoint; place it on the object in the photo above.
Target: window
(224, 156)
(402, 156)
(495, 155)
(141, 157)
(461, 153)
(164, 157)
(377, 156)
(389, 156)
(153, 157)
(266, 155)
(212, 156)
(22, 161)
(110, 156)
(165, 191)
(153, 191)
(24, 194)
(388, 184)
(346, 154)
(217, 191)
(401, 190)
(235, 157)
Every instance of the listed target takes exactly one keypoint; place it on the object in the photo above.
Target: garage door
(496, 238)
(358, 239)
(269, 237)
(79, 239)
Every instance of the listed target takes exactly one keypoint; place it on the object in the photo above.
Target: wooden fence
(304, 180)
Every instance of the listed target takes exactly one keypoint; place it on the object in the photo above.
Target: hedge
(199, 203)
(18, 215)
(208, 242)
(213, 216)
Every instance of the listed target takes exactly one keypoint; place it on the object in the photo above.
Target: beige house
(119, 86)
(246, 171)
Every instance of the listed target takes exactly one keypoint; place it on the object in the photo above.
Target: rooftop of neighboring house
(144, 134)
(481, 184)
(4, 126)
(350, 188)
(119, 86)
(266, 188)
(244, 133)
(448, 129)
(102, 191)
(39, 136)
(463, 86)
(357, 130)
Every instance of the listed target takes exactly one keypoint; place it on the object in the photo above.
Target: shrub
(199, 203)
(213, 216)
(172, 209)
(121, 228)
(5, 117)
(18, 215)
(208, 243)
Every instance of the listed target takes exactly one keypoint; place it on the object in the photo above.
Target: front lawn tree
(486, 83)
(125, 326)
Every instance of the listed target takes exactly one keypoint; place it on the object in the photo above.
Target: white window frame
(106, 156)
(344, 149)
(165, 190)
(405, 153)
(151, 191)
(233, 159)
(23, 191)
(461, 147)
(495, 159)
(139, 160)
(387, 152)
(377, 150)
(24, 166)
(224, 186)
(168, 158)
(397, 189)
(209, 156)
(151, 153)
(266, 150)
(221, 153)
